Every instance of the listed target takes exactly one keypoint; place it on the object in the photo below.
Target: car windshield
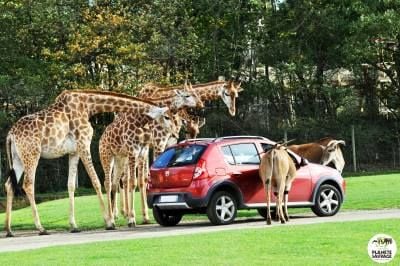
(179, 156)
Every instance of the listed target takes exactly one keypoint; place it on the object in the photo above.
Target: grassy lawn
(366, 192)
(318, 244)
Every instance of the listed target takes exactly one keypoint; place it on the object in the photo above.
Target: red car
(219, 176)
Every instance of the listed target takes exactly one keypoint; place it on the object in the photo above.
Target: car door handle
(236, 173)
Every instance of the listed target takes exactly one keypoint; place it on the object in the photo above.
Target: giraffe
(193, 124)
(227, 91)
(121, 149)
(63, 128)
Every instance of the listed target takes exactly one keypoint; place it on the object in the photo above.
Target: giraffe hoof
(43, 233)
(268, 222)
(131, 225)
(10, 234)
(75, 230)
(146, 221)
(110, 227)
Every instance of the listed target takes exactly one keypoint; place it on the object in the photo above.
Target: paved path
(25, 241)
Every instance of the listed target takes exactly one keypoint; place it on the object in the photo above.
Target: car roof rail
(241, 137)
(199, 139)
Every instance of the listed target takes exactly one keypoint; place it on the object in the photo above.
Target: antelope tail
(266, 172)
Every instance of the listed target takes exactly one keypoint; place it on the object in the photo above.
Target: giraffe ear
(156, 112)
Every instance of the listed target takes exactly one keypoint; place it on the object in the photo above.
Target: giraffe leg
(115, 203)
(142, 177)
(28, 186)
(123, 191)
(86, 158)
(10, 196)
(73, 170)
(130, 194)
(116, 177)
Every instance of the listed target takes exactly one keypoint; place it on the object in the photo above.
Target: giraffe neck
(167, 99)
(94, 102)
(209, 91)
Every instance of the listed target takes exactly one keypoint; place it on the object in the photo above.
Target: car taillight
(200, 171)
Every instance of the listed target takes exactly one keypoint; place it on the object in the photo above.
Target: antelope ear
(341, 142)
(156, 112)
(239, 89)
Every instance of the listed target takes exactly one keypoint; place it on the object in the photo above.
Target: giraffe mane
(114, 94)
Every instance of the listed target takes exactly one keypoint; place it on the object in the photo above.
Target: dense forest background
(309, 68)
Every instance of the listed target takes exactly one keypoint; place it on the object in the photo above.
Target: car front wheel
(328, 201)
(222, 208)
(166, 218)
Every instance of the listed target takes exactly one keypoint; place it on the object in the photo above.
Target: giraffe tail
(10, 175)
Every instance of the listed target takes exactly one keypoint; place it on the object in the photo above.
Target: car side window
(228, 155)
(266, 146)
(245, 153)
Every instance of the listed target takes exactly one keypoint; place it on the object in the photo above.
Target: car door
(244, 161)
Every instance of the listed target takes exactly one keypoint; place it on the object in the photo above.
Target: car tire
(327, 201)
(263, 213)
(165, 218)
(222, 208)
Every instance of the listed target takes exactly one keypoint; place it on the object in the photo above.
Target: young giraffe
(62, 128)
(121, 148)
(227, 91)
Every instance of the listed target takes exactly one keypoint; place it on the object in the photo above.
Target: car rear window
(179, 156)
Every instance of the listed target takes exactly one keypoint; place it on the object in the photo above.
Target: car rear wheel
(222, 208)
(166, 218)
(328, 201)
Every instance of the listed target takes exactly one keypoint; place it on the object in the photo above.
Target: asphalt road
(30, 240)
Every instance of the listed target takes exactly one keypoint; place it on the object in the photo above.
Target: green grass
(367, 192)
(372, 192)
(318, 244)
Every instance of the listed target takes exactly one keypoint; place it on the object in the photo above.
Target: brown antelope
(324, 151)
(277, 171)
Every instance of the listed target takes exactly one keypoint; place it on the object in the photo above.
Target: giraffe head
(229, 92)
(188, 97)
(163, 117)
(178, 122)
(193, 126)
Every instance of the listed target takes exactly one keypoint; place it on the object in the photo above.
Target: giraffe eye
(226, 94)
(167, 118)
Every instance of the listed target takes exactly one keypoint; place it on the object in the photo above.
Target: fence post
(1, 173)
(285, 136)
(353, 146)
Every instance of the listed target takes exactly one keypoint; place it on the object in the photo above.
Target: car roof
(226, 139)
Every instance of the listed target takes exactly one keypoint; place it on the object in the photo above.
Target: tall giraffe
(63, 128)
(228, 91)
(120, 148)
